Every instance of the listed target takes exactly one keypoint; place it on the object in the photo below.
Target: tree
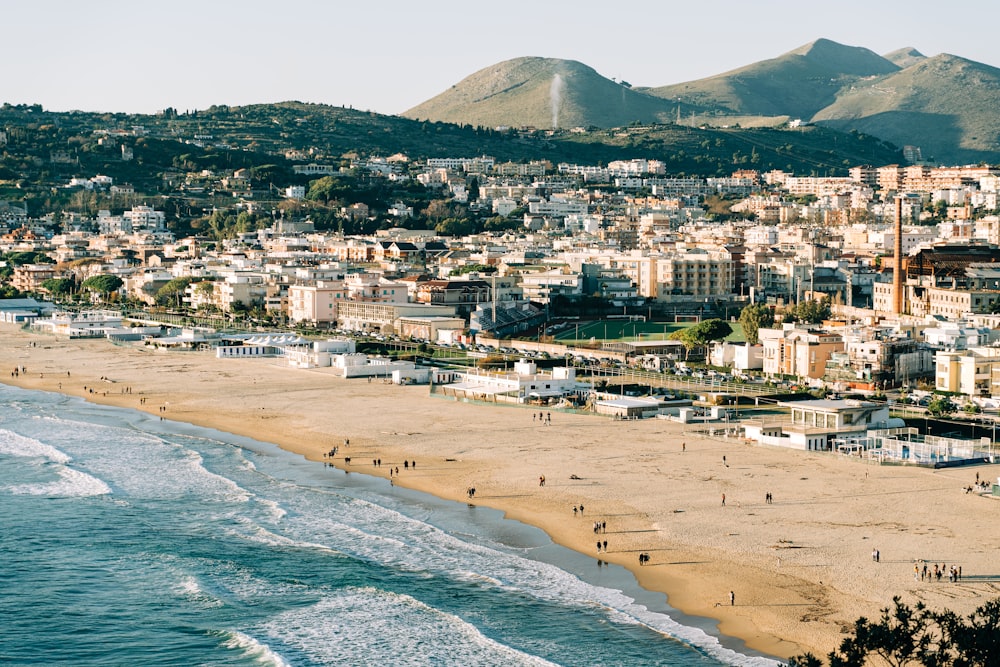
(104, 285)
(701, 334)
(173, 292)
(904, 636)
(454, 227)
(437, 210)
(754, 317)
(940, 406)
(58, 286)
(810, 312)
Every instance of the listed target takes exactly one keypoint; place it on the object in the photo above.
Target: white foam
(14, 444)
(257, 533)
(384, 536)
(71, 484)
(274, 511)
(122, 454)
(253, 649)
(188, 587)
(371, 626)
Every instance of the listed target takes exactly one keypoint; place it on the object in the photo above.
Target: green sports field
(626, 331)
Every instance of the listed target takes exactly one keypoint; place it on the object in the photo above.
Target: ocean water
(131, 541)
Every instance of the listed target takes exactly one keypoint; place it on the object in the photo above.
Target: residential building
(798, 352)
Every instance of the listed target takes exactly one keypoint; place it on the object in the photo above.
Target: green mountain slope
(545, 93)
(798, 83)
(945, 104)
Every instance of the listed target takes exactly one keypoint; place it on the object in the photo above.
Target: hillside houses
(627, 237)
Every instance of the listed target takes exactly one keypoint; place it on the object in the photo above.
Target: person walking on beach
(541, 480)
(684, 447)
(723, 500)
(732, 599)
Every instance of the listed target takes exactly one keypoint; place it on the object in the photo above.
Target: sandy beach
(800, 568)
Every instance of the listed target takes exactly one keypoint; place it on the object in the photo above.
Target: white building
(145, 217)
(524, 384)
(816, 425)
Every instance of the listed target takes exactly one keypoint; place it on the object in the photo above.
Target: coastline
(800, 568)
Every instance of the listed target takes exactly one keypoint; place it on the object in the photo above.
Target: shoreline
(800, 567)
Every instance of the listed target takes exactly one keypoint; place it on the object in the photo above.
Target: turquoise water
(131, 541)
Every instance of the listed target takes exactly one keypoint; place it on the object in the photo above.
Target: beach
(800, 568)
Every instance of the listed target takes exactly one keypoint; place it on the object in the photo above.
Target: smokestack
(897, 271)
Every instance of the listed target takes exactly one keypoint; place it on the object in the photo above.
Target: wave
(123, 454)
(14, 444)
(382, 535)
(251, 648)
(71, 484)
(365, 625)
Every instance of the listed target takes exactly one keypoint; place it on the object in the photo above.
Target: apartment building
(29, 277)
(797, 351)
(970, 372)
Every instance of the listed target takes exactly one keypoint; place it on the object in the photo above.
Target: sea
(127, 540)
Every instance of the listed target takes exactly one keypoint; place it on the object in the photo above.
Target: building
(525, 384)
(818, 425)
(968, 372)
(384, 317)
(316, 304)
(29, 277)
(798, 352)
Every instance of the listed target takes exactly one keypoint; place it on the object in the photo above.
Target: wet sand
(800, 567)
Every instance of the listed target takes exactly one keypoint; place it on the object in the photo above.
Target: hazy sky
(390, 55)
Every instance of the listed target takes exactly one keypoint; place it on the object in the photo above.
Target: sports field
(627, 331)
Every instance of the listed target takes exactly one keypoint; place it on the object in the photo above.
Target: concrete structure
(815, 425)
(85, 324)
(523, 385)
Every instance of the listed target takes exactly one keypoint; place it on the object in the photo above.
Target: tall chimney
(897, 271)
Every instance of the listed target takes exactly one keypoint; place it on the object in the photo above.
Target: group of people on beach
(926, 574)
(542, 417)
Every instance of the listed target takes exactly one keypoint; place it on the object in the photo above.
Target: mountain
(545, 93)
(945, 104)
(798, 83)
(905, 57)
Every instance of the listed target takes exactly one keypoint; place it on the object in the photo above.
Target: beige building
(696, 272)
(29, 277)
(315, 303)
(970, 372)
(384, 317)
(798, 352)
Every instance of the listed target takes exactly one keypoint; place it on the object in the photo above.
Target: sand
(800, 568)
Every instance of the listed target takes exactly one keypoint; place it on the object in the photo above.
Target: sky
(139, 56)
